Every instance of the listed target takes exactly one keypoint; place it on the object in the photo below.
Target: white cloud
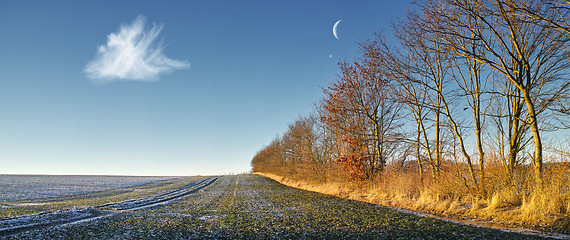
(133, 54)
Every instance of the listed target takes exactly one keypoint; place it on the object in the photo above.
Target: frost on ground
(74, 216)
(253, 207)
(30, 187)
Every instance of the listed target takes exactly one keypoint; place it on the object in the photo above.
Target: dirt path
(66, 217)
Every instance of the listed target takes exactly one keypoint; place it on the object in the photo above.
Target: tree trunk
(436, 164)
(479, 133)
(418, 157)
(537, 159)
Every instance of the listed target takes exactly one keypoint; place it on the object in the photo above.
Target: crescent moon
(334, 28)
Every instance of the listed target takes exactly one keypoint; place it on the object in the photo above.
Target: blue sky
(220, 80)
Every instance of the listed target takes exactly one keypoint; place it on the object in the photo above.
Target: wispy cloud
(132, 54)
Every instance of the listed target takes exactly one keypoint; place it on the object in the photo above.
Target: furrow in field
(43, 220)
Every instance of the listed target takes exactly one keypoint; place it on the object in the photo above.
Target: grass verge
(508, 208)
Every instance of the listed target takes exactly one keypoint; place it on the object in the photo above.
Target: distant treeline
(469, 100)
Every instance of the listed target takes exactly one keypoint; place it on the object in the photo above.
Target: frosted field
(32, 187)
(230, 207)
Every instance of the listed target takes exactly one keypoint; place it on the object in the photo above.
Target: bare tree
(430, 64)
(469, 75)
(512, 129)
(530, 56)
(408, 90)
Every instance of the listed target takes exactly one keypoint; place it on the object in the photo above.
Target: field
(227, 207)
(29, 187)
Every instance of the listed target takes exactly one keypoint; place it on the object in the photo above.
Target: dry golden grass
(507, 198)
(335, 189)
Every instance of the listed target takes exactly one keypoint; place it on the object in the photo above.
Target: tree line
(471, 93)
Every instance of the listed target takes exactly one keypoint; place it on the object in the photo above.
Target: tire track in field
(43, 220)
